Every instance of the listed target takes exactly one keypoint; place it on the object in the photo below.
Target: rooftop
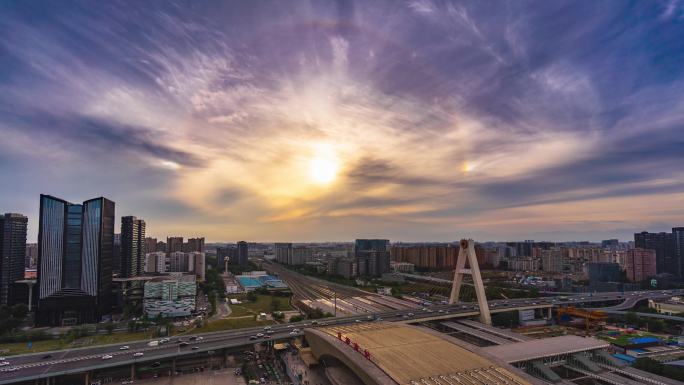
(545, 347)
(407, 354)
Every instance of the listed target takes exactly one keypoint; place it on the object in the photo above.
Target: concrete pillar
(467, 252)
(549, 314)
(132, 372)
(30, 285)
(87, 378)
(173, 367)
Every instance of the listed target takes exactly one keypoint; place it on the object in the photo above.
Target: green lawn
(261, 305)
(42, 346)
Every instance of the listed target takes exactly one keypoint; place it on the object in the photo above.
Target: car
(4, 363)
(12, 369)
(267, 336)
(358, 320)
(269, 331)
(155, 364)
(253, 337)
(266, 327)
(46, 357)
(290, 326)
(410, 314)
(295, 330)
(125, 347)
(127, 382)
(293, 333)
(200, 338)
(260, 335)
(2, 358)
(107, 357)
(184, 344)
(195, 347)
(138, 354)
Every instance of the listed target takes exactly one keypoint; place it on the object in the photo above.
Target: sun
(323, 166)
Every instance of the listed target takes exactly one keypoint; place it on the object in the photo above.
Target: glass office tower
(74, 261)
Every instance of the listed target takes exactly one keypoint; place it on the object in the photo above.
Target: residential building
(302, 255)
(75, 243)
(199, 264)
(161, 246)
(372, 257)
(155, 262)
(132, 246)
(31, 255)
(552, 260)
(12, 254)
(402, 267)
(678, 240)
(283, 253)
(524, 264)
(151, 245)
(194, 244)
(664, 245)
(640, 264)
(174, 244)
(178, 262)
(345, 267)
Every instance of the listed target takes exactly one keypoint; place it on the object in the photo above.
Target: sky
(333, 120)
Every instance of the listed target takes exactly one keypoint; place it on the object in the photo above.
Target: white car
(107, 357)
(12, 369)
(260, 335)
(4, 363)
(125, 347)
(138, 354)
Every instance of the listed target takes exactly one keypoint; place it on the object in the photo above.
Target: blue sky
(331, 120)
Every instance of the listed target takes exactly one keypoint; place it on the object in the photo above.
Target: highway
(33, 366)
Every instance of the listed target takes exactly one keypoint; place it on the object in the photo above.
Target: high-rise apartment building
(242, 253)
(132, 246)
(194, 244)
(174, 244)
(75, 244)
(283, 253)
(372, 257)
(12, 254)
(663, 244)
(640, 264)
(678, 239)
(151, 245)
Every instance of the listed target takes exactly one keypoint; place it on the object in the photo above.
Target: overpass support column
(549, 315)
(132, 372)
(173, 367)
(87, 378)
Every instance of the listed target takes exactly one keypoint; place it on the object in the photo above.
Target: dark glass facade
(74, 261)
(12, 251)
(678, 239)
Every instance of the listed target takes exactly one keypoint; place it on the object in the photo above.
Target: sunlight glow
(324, 165)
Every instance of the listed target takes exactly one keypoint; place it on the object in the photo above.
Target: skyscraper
(372, 256)
(663, 244)
(116, 254)
(12, 254)
(678, 239)
(75, 244)
(242, 253)
(132, 246)
(194, 244)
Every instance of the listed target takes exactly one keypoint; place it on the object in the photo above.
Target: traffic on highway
(41, 365)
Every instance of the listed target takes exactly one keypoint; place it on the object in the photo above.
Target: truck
(153, 343)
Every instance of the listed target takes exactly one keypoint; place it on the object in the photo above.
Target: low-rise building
(172, 296)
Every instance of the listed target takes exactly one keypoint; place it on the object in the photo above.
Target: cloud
(511, 117)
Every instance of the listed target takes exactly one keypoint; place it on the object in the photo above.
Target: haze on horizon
(332, 120)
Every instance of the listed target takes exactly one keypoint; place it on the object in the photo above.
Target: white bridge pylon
(468, 252)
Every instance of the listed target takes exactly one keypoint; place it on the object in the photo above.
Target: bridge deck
(537, 349)
(409, 354)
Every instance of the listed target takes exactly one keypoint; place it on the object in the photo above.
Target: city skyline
(411, 121)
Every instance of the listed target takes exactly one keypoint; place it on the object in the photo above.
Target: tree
(19, 311)
(109, 327)
(296, 318)
(631, 318)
